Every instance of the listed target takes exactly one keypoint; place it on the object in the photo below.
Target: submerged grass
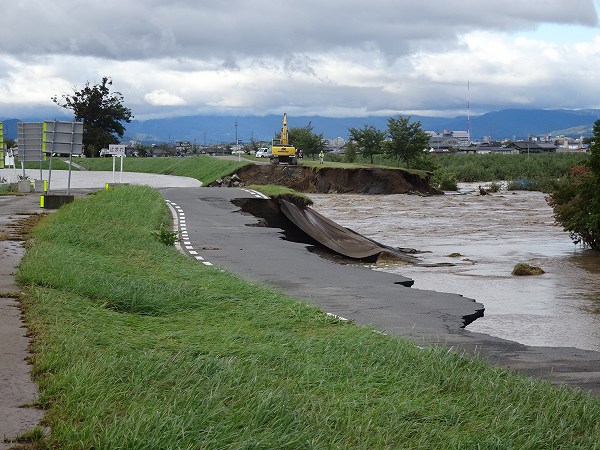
(138, 346)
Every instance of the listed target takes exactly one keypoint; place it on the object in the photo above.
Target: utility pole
(236, 138)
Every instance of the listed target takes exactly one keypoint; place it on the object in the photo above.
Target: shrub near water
(138, 346)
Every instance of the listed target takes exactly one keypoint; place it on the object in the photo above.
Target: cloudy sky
(335, 58)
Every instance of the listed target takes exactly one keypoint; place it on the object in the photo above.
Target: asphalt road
(223, 236)
(218, 233)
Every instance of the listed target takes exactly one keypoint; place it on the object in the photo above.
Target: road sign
(29, 139)
(62, 138)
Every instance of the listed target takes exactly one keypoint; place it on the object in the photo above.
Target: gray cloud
(139, 29)
(311, 57)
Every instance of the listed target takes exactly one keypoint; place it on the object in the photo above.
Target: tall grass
(492, 167)
(138, 346)
(204, 168)
(533, 171)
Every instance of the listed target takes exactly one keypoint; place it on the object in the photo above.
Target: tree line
(403, 140)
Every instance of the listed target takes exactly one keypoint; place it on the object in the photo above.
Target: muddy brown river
(492, 233)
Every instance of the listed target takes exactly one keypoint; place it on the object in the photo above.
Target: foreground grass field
(137, 346)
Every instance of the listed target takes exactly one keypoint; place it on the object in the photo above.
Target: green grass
(276, 191)
(57, 164)
(336, 161)
(7, 189)
(138, 346)
(204, 168)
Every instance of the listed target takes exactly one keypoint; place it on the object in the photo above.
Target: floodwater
(492, 233)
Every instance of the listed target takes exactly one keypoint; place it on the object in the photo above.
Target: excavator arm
(284, 130)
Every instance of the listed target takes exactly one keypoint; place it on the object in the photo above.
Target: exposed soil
(337, 180)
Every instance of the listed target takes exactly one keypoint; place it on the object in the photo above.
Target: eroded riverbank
(491, 233)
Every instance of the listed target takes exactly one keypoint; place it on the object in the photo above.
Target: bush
(576, 206)
(351, 153)
(445, 181)
(576, 199)
(494, 187)
(165, 235)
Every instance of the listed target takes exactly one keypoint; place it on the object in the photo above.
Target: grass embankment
(31, 167)
(138, 346)
(335, 161)
(204, 168)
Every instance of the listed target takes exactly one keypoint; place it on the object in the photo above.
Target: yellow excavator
(281, 150)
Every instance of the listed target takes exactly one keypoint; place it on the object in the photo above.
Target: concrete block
(55, 201)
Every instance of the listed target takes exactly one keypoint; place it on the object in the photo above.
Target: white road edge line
(256, 193)
(180, 228)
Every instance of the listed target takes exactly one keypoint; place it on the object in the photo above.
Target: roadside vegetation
(138, 346)
(6, 188)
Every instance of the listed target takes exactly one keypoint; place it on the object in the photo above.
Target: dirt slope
(329, 180)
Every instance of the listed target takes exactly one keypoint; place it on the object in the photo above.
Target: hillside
(504, 124)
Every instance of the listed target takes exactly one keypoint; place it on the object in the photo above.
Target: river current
(560, 308)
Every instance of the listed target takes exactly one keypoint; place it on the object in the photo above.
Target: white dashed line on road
(180, 227)
(256, 194)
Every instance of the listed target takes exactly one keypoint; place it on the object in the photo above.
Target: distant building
(183, 147)
(336, 145)
(484, 149)
(534, 147)
(448, 140)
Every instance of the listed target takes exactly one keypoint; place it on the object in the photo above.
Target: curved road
(216, 232)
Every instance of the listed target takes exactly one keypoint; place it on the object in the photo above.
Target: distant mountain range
(504, 124)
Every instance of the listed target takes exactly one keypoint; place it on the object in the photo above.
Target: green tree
(306, 141)
(101, 111)
(351, 151)
(142, 150)
(576, 201)
(406, 140)
(253, 146)
(368, 139)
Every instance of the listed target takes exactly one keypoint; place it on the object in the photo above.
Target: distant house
(485, 149)
(157, 152)
(547, 147)
(569, 145)
(533, 147)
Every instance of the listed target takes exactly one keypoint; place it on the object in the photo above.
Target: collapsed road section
(270, 253)
(303, 224)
